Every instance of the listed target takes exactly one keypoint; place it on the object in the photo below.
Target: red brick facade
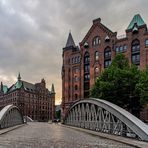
(34, 100)
(81, 65)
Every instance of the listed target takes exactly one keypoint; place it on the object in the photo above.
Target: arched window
(107, 53)
(135, 52)
(135, 46)
(86, 58)
(96, 56)
(107, 57)
(86, 74)
(96, 41)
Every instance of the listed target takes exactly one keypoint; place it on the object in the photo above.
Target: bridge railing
(10, 116)
(103, 116)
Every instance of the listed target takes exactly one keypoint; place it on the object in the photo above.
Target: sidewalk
(128, 141)
(6, 130)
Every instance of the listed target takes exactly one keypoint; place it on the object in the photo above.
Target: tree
(117, 83)
(142, 87)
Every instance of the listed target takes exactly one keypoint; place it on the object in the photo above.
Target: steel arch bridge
(10, 116)
(103, 116)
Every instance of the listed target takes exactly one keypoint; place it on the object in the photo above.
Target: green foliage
(142, 87)
(117, 82)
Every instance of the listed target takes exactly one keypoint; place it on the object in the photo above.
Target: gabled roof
(70, 42)
(15, 86)
(97, 22)
(28, 86)
(137, 19)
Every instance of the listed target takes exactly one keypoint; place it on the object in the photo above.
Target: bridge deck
(40, 135)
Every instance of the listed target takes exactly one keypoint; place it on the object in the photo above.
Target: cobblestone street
(45, 135)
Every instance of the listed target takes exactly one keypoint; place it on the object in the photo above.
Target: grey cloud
(33, 32)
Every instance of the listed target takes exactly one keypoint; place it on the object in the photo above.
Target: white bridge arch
(10, 116)
(103, 116)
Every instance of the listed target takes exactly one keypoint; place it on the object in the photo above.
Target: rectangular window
(86, 60)
(86, 77)
(125, 47)
(108, 54)
(117, 49)
(86, 68)
(136, 48)
(136, 59)
(107, 63)
(76, 70)
(146, 42)
(121, 48)
(86, 86)
(76, 79)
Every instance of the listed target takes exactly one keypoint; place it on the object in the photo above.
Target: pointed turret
(19, 77)
(70, 42)
(137, 20)
(52, 89)
(1, 86)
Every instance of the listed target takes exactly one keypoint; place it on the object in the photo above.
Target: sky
(34, 32)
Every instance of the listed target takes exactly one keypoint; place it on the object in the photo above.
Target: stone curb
(6, 130)
(128, 141)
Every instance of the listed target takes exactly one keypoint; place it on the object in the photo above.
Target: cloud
(33, 33)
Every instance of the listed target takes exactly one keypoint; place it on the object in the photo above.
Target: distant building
(34, 100)
(82, 65)
(58, 111)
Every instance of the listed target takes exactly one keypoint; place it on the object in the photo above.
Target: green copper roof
(17, 85)
(137, 19)
(5, 89)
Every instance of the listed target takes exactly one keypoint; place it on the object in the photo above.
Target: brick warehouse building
(34, 100)
(83, 63)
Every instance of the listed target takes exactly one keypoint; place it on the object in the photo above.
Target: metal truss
(10, 116)
(99, 117)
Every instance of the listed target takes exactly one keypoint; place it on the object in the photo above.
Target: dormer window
(107, 39)
(96, 41)
(86, 45)
(135, 30)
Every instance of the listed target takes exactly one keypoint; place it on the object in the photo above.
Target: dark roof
(28, 86)
(70, 41)
(137, 19)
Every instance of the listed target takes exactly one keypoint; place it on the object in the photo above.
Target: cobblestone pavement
(45, 135)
